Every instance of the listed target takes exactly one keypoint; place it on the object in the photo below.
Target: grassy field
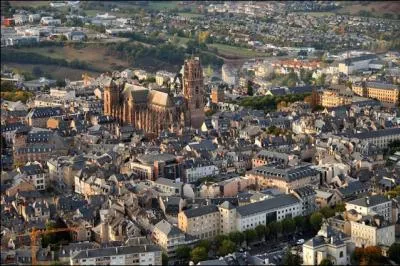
(56, 72)
(378, 8)
(96, 56)
(190, 15)
(29, 3)
(236, 52)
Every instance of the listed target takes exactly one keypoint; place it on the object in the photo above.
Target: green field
(29, 3)
(190, 15)
(233, 51)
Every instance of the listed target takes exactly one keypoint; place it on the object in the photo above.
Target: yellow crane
(35, 233)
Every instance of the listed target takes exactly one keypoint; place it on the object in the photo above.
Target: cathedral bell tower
(112, 100)
(193, 91)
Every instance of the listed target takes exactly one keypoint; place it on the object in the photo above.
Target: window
(341, 254)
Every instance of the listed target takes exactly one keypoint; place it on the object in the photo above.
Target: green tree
(237, 237)
(183, 252)
(291, 259)
(220, 238)
(326, 262)
(250, 91)
(327, 212)
(300, 222)
(260, 230)
(164, 259)
(276, 228)
(288, 225)
(316, 220)
(267, 232)
(198, 254)
(226, 247)
(250, 235)
(205, 244)
(37, 71)
(60, 83)
(394, 252)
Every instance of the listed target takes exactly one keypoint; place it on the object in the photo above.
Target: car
(300, 242)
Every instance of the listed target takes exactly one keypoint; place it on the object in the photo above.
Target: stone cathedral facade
(156, 110)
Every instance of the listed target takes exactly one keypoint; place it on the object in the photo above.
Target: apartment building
(153, 166)
(35, 174)
(194, 170)
(350, 65)
(228, 218)
(386, 93)
(284, 177)
(372, 231)
(337, 96)
(380, 138)
(169, 237)
(263, 212)
(121, 255)
(371, 205)
(202, 222)
(264, 157)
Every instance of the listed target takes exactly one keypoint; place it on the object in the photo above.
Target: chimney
(367, 200)
(145, 247)
(116, 250)
(331, 239)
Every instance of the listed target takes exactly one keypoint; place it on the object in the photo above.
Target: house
(35, 174)
(371, 205)
(328, 244)
(76, 36)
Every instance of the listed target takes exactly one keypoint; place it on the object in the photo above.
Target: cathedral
(157, 110)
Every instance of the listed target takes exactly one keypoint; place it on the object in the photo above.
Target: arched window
(197, 104)
(341, 254)
(197, 90)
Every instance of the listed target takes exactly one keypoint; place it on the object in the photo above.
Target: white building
(376, 204)
(193, 171)
(327, 244)
(64, 94)
(229, 75)
(350, 65)
(372, 231)
(121, 255)
(50, 21)
(35, 174)
(263, 212)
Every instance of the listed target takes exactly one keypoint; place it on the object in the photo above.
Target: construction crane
(35, 233)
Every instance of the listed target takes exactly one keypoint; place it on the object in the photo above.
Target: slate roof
(267, 205)
(381, 85)
(200, 211)
(288, 173)
(349, 61)
(41, 112)
(167, 228)
(373, 200)
(375, 134)
(151, 158)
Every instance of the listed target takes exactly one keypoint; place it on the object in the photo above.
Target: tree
(327, 212)
(276, 228)
(60, 83)
(326, 262)
(183, 252)
(291, 259)
(316, 220)
(394, 252)
(288, 225)
(250, 91)
(37, 71)
(250, 235)
(198, 254)
(226, 247)
(237, 237)
(205, 244)
(267, 232)
(300, 221)
(260, 230)
(164, 259)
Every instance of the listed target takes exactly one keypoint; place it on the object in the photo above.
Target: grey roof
(375, 134)
(200, 211)
(266, 205)
(288, 173)
(354, 187)
(112, 251)
(305, 191)
(213, 262)
(151, 158)
(349, 61)
(373, 200)
(381, 85)
(167, 228)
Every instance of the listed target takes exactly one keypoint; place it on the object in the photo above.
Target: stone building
(154, 110)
